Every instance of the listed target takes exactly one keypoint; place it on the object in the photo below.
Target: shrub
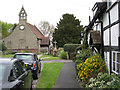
(104, 81)
(90, 67)
(3, 47)
(84, 54)
(63, 55)
(26, 51)
(70, 48)
(72, 56)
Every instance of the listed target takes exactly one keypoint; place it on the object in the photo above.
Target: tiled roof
(95, 36)
(36, 31)
(44, 40)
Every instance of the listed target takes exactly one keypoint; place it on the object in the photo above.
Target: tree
(68, 30)
(6, 29)
(46, 28)
(3, 47)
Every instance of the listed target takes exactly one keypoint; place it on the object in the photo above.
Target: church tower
(22, 16)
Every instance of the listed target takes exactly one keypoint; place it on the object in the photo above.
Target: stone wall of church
(21, 39)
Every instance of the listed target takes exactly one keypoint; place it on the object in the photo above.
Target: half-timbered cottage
(106, 20)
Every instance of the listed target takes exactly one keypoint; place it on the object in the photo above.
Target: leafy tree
(3, 47)
(68, 30)
(46, 28)
(6, 29)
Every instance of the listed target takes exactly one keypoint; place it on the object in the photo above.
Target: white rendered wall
(114, 35)
(105, 20)
(106, 37)
(114, 13)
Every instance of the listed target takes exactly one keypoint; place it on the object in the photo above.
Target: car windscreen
(2, 71)
(24, 57)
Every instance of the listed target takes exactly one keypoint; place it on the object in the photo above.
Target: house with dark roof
(104, 31)
(26, 37)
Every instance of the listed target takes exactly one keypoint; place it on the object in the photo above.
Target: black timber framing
(119, 24)
(112, 48)
(110, 25)
(110, 56)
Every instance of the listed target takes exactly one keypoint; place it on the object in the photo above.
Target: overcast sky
(46, 10)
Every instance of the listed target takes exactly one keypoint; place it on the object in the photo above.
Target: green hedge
(70, 48)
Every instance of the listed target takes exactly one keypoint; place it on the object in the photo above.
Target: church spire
(22, 15)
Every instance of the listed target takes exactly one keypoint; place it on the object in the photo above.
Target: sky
(46, 10)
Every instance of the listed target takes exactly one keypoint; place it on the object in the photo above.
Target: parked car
(30, 60)
(13, 74)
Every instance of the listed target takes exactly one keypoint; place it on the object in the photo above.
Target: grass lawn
(49, 57)
(9, 55)
(49, 75)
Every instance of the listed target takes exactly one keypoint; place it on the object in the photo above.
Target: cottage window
(116, 62)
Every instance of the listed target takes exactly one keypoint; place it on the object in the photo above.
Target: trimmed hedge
(70, 48)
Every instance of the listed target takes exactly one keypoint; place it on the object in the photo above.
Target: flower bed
(104, 81)
(90, 68)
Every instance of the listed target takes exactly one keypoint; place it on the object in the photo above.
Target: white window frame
(115, 71)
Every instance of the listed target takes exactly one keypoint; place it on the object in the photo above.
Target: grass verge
(49, 57)
(9, 55)
(49, 75)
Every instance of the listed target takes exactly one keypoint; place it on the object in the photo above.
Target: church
(26, 37)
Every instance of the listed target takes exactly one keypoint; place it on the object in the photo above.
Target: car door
(26, 76)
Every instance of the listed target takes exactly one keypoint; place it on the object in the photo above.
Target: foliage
(3, 47)
(90, 67)
(84, 54)
(104, 81)
(26, 51)
(63, 55)
(70, 48)
(49, 75)
(73, 56)
(46, 28)
(85, 42)
(6, 28)
(68, 30)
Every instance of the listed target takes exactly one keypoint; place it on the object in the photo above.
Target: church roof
(36, 31)
(44, 40)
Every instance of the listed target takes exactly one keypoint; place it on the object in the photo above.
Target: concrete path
(67, 77)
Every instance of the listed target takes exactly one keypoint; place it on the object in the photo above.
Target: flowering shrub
(90, 67)
(84, 54)
(104, 81)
